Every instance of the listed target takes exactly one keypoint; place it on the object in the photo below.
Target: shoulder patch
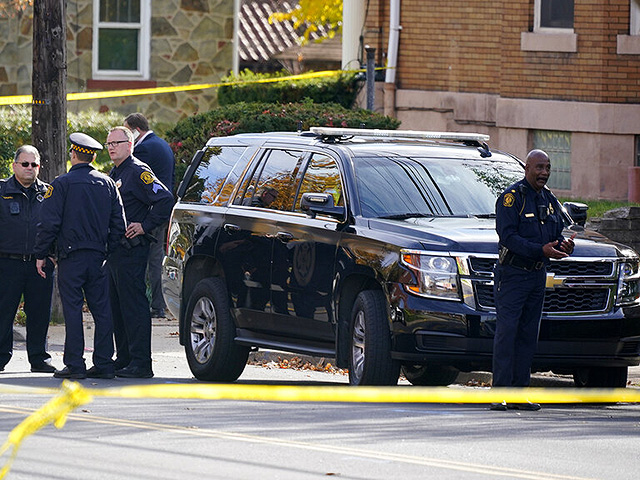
(49, 192)
(147, 177)
(508, 200)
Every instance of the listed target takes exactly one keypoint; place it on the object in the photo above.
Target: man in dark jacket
(147, 204)
(83, 214)
(155, 152)
(21, 197)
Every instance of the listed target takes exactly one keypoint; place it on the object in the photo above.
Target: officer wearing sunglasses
(21, 197)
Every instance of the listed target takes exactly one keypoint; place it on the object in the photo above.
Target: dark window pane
(118, 49)
(207, 181)
(322, 176)
(275, 188)
(556, 13)
(122, 11)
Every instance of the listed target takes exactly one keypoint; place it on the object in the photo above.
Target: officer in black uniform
(529, 226)
(83, 214)
(21, 197)
(147, 204)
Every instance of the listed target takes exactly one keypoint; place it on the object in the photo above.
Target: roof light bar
(369, 132)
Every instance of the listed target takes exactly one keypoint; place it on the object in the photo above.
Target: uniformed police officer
(147, 204)
(529, 226)
(21, 197)
(83, 214)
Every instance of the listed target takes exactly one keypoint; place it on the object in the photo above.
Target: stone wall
(620, 225)
(191, 43)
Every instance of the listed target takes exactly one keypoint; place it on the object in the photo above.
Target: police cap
(83, 143)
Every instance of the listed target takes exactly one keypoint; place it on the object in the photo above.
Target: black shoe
(42, 367)
(500, 407)
(158, 313)
(66, 373)
(93, 372)
(530, 406)
(134, 372)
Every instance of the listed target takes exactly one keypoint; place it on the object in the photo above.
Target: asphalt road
(118, 438)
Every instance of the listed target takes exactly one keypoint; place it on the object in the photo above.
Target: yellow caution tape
(24, 99)
(72, 394)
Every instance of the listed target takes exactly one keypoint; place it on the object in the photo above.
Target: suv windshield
(402, 187)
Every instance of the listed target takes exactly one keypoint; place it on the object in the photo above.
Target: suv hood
(478, 235)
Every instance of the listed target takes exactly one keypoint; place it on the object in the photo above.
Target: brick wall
(474, 46)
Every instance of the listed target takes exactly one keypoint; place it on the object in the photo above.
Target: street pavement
(169, 358)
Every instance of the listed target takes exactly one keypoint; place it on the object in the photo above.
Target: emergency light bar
(369, 132)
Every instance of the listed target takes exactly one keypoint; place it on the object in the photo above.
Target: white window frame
(537, 16)
(144, 44)
(634, 18)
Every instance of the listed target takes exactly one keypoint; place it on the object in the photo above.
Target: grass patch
(597, 208)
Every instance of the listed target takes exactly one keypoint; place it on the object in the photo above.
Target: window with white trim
(553, 15)
(558, 147)
(634, 24)
(121, 36)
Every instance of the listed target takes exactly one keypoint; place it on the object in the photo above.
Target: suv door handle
(231, 228)
(284, 237)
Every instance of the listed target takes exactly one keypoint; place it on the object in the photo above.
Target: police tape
(25, 99)
(71, 395)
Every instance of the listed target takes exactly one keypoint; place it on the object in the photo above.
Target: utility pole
(49, 91)
(49, 86)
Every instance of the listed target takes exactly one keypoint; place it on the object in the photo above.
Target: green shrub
(190, 134)
(341, 89)
(15, 130)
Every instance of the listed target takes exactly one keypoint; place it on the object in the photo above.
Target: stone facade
(191, 43)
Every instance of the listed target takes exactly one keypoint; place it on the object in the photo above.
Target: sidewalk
(165, 345)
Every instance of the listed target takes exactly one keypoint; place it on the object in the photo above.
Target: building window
(558, 147)
(553, 15)
(637, 150)
(121, 34)
(634, 24)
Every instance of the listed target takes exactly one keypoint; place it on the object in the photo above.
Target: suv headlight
(437, 276)
(628, 282)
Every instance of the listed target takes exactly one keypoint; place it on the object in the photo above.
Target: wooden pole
(49, 90)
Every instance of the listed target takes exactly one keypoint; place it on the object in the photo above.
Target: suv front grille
(484, 266)
(561, 300)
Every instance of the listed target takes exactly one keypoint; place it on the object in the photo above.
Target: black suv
(376, 248)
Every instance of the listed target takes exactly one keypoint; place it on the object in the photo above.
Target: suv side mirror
(314, 203)
(577, 211)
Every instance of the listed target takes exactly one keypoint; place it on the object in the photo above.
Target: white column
(352, 28)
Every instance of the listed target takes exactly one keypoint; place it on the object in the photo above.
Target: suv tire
(600, 377)
(370, 361)
(210, 348)
(430, 375)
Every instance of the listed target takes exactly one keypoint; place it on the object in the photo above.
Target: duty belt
(510, 258)
(18, 256)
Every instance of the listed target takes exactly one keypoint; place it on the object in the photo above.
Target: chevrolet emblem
(553, 282)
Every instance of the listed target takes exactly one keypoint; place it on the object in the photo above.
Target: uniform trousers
(17, 279)
(519, 298)
(154, 267)
(130, 306)
(82, 274)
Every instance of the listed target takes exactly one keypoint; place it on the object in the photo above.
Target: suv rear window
(207, 181)
(409, 186)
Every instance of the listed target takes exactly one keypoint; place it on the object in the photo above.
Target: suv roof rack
(467, 138)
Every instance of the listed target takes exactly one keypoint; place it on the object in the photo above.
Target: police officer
(21, 197)
(83, 214)
(155, 152)
(529, 226)
(147, 204)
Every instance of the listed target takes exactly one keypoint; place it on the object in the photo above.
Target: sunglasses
(113, 144)
(26, 164)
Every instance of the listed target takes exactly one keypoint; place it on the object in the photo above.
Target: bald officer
(529, 225)
(83, 214)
